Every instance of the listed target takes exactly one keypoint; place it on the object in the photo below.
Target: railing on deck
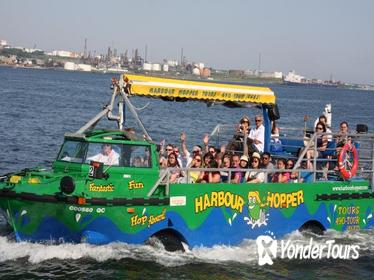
(295, 145)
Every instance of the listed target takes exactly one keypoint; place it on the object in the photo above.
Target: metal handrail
(233, 170)
(163, 174)
(366, 163)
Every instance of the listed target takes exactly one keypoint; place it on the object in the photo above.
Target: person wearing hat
(255, 176)
(243, 164)
(243, 161)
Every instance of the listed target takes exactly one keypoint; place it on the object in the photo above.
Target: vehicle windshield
(109, 154)
(73, 151)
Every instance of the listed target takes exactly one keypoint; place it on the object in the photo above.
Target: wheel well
(313, 226)
(171, 231)
(170, 238)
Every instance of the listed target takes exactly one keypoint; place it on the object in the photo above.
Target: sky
(316, 38)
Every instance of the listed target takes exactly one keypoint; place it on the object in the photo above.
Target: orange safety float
(343, 158)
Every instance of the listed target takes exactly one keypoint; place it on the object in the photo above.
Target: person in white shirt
(107, 156)
(257, 134)
(196, 150)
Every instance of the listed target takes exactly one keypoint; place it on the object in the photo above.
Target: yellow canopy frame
(202, 91)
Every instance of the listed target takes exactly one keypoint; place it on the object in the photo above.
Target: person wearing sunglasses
(196, 163)
(267, 164)
(322, 143)
(255, 176)
(323, 119)
(257, 134)
(212, 150)
(164, 156)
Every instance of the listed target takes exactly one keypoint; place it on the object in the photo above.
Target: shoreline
(213, 78)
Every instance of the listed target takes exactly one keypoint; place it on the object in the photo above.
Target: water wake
(246, 252)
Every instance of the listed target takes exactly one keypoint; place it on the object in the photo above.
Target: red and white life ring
(348, 173)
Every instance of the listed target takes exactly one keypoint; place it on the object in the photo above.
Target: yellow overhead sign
(203, 91)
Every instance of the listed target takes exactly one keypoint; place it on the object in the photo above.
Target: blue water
(39, 106)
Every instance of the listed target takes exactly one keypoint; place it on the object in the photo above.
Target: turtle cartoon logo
(257, 215)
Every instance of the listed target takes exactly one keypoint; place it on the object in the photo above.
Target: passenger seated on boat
(218, 158)
(267, 164)
(130, 130)
(226, 163)
(206, 143)
(179, 156)
(342, 137)
(196, 163)
(212, 150)
(274, 130)
(321, 144)
(281, 176)
(173, 163)
(255, 176)
(242, 131)
(108, 155)
(275, 142)
(207, 158)
(138, 162)
(197, 149)
(210, 176)
(236, 176)
(243, 164)
(306, 176)
(214, 176)
(244, 127)
(257, 134)
(293, 175)
(323, 119)
(164, 157)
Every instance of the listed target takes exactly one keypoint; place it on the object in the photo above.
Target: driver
(108, 156)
